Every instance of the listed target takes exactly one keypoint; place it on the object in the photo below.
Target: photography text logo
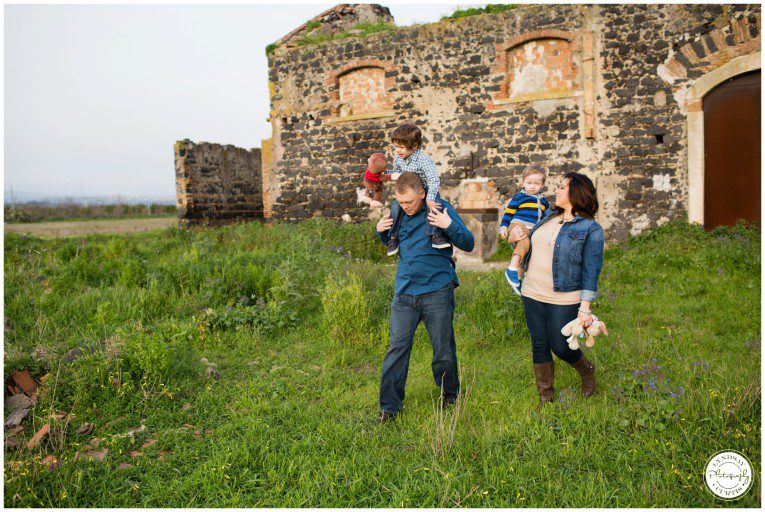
(728, 475)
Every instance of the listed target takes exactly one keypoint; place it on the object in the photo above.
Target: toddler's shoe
(439, 241)
(392, 246)
(512, 277)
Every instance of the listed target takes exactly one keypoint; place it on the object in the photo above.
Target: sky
(96, 95)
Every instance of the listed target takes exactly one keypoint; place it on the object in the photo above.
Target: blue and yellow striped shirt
(525, 209)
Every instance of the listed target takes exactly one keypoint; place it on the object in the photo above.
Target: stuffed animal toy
(575, 331)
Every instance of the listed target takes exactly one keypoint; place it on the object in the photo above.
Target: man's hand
(515, 235)
(439, 218)
(503, 232)
(394, 175)
(385, 223)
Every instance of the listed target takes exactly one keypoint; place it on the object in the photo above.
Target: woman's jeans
(436, 310)
(545, 322)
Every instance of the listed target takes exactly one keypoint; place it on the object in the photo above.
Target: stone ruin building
(658, 104)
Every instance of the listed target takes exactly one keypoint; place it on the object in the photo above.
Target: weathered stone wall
(216, 184)
(595, 89)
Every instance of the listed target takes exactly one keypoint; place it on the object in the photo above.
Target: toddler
(523, 212)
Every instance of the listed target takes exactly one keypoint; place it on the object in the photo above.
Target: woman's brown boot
(545, 373)
(587, 371)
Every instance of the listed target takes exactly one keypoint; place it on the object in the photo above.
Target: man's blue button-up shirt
(421, 268)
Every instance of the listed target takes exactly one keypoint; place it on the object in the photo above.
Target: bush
(346, 316)
(159, 355)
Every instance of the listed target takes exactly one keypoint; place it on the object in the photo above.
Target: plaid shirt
(424, 166)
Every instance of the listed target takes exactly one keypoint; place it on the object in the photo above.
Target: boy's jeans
(436, 310)
(396, 213)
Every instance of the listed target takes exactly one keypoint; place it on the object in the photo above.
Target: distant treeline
(40, 212)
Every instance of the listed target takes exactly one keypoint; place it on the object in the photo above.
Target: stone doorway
(732, 151)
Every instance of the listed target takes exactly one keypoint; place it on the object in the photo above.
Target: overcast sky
(96, 95)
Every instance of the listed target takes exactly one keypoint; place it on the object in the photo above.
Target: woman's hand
(385, 223)
(585, 315)
(585, 318)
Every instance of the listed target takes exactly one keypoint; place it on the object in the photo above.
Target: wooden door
(732, 151)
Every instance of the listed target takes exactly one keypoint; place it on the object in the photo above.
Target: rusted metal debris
(22, 382)
(38, 437)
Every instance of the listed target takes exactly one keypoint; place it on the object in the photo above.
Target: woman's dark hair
(581, 195)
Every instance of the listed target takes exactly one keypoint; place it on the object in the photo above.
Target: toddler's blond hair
(534, 169)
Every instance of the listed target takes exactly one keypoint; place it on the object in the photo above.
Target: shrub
(158, 355)
(346, 316)
(266, 315)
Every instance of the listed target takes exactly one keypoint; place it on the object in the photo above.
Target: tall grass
(72, 210)
(289, 422)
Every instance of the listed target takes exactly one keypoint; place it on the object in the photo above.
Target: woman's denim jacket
(577, 256)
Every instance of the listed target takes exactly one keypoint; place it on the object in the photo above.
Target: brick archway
(558, 51)
(360, 90)
(710, 59)
(693, 103)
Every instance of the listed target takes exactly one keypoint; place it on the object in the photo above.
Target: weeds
(72, 210)
(446, 418)
(290, 427)
(345, 313)
(475, 11)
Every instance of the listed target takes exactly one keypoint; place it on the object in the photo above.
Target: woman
(562, 268)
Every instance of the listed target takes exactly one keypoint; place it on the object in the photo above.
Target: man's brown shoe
(385, 416)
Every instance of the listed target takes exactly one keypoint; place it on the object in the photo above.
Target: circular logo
(728, 475)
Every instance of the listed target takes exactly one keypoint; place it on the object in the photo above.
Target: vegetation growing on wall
(474, 11)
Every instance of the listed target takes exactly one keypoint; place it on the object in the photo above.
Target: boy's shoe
(512, 277)
(392, 246)
(439, 241)
(385, 417)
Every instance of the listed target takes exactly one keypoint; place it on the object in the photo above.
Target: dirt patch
(364, 368)
(87, 227)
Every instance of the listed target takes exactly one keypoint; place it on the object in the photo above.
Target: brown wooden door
(732, 151)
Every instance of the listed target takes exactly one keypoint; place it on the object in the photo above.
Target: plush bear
(575, 331)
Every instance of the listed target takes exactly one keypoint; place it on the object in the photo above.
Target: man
(424, 291)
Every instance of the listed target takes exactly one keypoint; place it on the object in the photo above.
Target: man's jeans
(397, 214)
(436, 310)
(545, 322)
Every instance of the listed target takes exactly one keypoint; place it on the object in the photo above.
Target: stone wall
(596, 89)
(217, 184)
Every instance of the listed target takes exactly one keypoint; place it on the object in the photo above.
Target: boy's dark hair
(409, 181)
(581, 195)
(408, 135)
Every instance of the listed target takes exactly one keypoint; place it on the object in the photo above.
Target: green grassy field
(294, 319)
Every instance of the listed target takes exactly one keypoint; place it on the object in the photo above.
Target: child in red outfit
(374, 177)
